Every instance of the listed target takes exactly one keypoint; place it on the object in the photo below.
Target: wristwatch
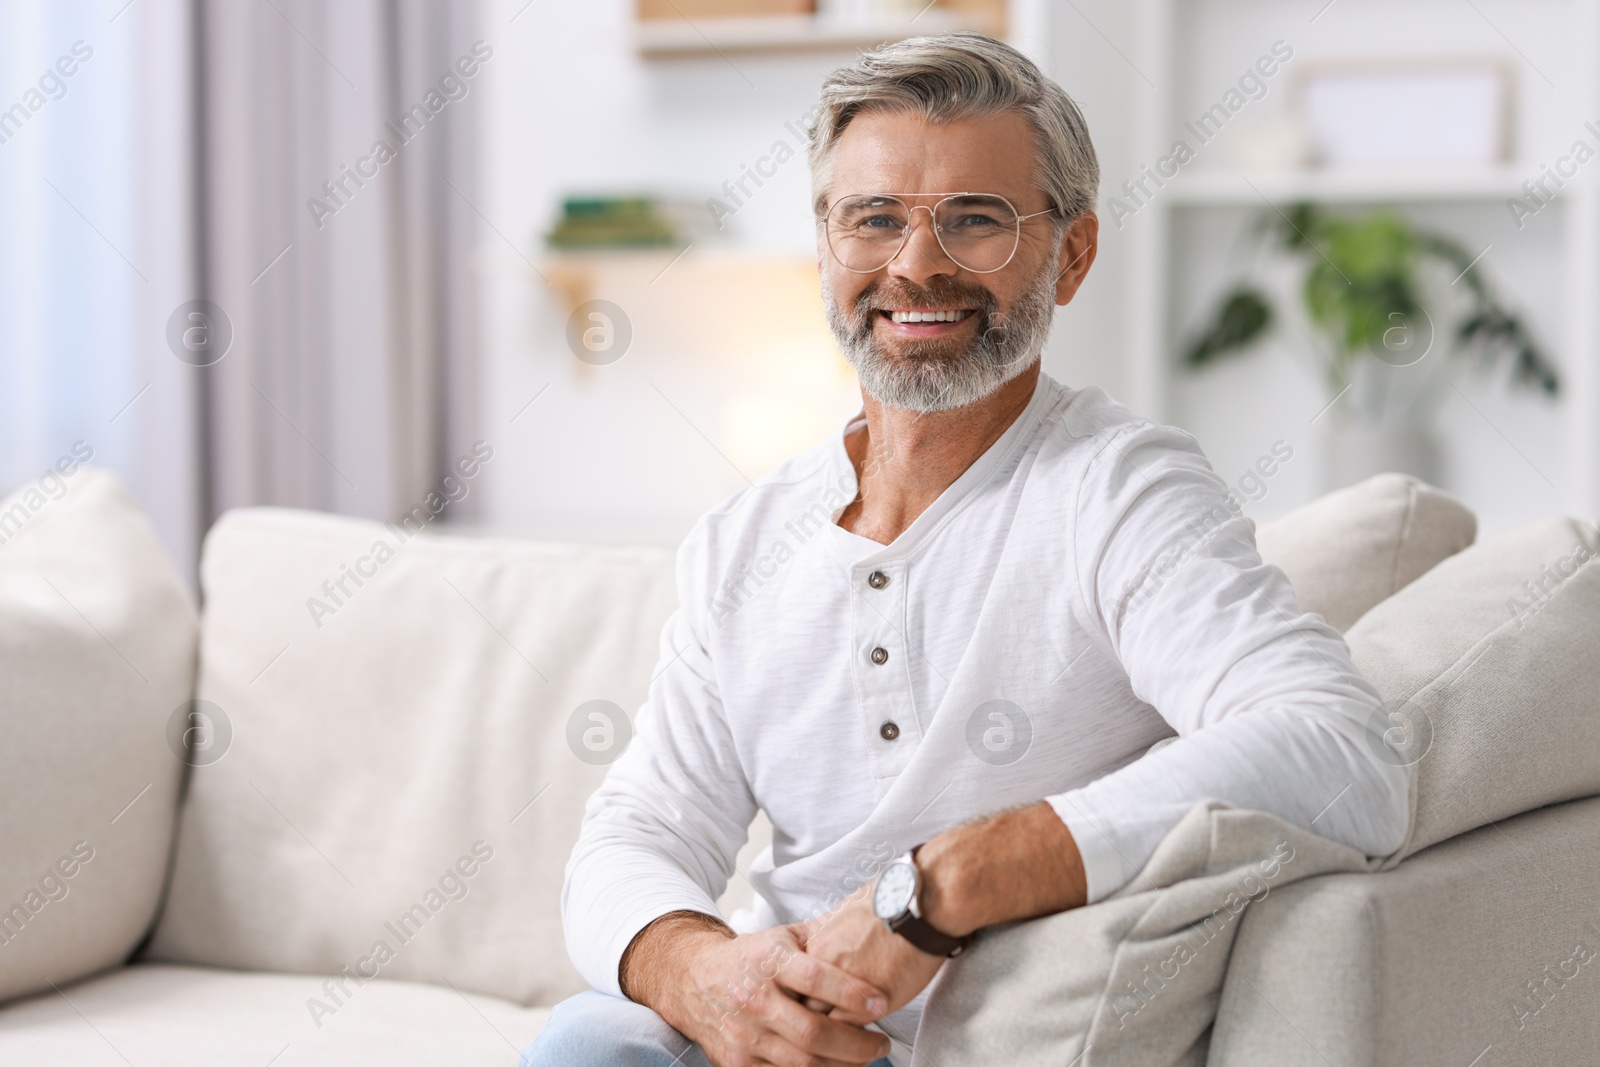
(895, 900)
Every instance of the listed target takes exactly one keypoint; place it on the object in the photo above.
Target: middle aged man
(956, 624)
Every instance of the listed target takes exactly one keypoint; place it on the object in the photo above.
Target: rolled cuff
(1104, 869)
(607, 978)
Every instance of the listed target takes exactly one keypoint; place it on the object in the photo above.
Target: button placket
(883, 673)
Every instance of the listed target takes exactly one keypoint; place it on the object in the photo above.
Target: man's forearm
(651, 964)
(1019, 864)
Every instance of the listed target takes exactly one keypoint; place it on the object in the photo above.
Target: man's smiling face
(923, 332)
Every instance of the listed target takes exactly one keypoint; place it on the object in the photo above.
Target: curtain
(74, 271)
(331, 334)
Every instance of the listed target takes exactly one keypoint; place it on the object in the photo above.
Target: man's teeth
(929, 316)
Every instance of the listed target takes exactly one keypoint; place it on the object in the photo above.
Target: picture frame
(1436, 112)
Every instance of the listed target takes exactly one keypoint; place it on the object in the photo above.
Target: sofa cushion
(1487, 663)
(97, 651)
(1355, 547)
(416, 722)
(1489, 939)
(198, 1017)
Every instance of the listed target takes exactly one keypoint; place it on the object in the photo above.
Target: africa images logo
(999, 732)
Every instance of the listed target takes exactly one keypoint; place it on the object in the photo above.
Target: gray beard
(925, 379)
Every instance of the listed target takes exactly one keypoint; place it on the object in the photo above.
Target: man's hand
(1018, 864)
(855, 940)
(739, 998)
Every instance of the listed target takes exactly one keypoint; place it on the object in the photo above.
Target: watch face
(892, 895)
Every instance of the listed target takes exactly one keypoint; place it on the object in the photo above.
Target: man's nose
(921, 257)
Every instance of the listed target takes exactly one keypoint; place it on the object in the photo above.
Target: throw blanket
(1134, 979)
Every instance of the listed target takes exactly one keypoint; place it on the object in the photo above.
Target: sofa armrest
(97, 655)
(1487, 939)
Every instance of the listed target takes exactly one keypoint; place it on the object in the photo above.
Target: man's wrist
(944, 901)
(665, 945)
(1018, 864)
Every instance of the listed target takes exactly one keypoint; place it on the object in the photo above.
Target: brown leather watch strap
(926, 938)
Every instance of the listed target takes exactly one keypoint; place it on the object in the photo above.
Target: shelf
(1182, 39)
(1233, 188)
(579, 275)
(765, 33)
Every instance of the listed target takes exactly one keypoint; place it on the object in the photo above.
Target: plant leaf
(1243, 317)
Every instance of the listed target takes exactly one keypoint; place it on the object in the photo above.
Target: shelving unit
(769, 33)
(1150, 326)
(699, 36)
(1238, 188)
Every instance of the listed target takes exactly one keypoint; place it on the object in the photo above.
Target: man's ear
(1078, 247)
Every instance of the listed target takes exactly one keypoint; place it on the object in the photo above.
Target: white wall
(1089, 53)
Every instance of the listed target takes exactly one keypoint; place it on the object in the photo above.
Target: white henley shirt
(1085, 589)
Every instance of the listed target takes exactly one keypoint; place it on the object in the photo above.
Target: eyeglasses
(978, 231)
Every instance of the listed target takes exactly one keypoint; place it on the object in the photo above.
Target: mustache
(881, 297)
(944, 293)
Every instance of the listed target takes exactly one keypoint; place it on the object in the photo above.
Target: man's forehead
(900, 152)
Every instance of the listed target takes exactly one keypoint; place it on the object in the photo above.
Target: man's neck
(905, 459)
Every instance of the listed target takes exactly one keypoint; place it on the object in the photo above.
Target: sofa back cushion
(1487, 664)
(1355, 547)
(97, 650)
(416, 723)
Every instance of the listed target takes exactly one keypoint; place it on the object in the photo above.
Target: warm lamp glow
(744, 333)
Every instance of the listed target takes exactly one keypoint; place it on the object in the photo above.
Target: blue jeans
(598, 1030)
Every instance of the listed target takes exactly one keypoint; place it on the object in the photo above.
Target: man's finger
(832, 985)
(801, 932)
(853, 1017)
(819, 1036)
(789, 1056)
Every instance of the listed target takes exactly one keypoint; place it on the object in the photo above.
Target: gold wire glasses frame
(980, 232)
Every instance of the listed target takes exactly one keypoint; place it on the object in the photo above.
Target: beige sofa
(325, 820)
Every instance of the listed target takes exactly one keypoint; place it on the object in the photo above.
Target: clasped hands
(860, 945)
(802, 995)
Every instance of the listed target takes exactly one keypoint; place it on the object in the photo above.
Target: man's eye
(972, 223)
(879, 222)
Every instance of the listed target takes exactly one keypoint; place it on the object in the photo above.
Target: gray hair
(954, 76)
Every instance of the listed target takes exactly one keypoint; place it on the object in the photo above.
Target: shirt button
(880, 656)
(888, 731)
(877, 579)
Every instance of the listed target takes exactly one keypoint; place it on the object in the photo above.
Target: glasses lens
(978, 232)
(865, 232)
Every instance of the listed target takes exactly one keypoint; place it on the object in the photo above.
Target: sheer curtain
(78, 266)
(342, 268)
(183, 167)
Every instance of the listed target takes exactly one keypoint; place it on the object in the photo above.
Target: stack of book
(591, 222)
(694, 9)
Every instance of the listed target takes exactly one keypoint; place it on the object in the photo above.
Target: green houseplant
(1369, 283)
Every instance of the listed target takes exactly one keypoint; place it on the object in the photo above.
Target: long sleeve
(1270, 712)
(661, 832)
